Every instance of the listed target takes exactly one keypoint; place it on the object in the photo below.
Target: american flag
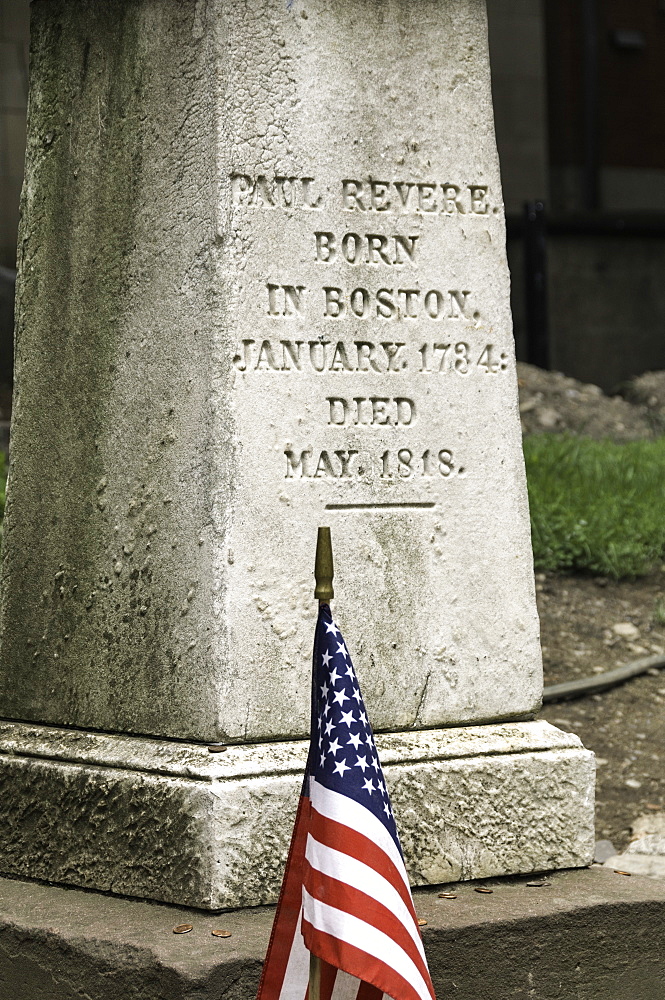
(345, 896)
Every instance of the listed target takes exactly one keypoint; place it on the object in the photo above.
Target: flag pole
(324, 592)
(323, 567)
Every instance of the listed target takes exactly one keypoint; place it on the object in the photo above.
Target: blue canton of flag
(344, 756)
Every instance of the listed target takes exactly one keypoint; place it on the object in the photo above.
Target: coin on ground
(217, 748)
(221, 933)
(421, 922)
(617, 872)
(183, 928)
(538, 885)
(447, 895)
(479, 889)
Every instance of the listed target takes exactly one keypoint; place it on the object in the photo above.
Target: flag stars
(349, 671)
(329, 726)
(361, 762)
(356, 694)
(354, 740)
(326, 658)
(368, 785)
(324, 691)
(340, 767)
(335, 746)
(340, 697)
(386, 809)
(341, 648)
(332, 627)
(334, 677)
(348, 719)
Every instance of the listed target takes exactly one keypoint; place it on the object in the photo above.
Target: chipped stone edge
(176, 759)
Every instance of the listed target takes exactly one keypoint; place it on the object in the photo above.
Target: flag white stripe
(346, 986)
(350, 813)
(296, 974)
(364, 936)
(355, 873)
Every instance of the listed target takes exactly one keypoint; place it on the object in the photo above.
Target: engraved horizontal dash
(380, 506)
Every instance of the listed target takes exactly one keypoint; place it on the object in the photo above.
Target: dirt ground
(590, 625)
(625, 726)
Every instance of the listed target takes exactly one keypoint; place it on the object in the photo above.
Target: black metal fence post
(535, 284)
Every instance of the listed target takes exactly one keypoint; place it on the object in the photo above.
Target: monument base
(171, 821)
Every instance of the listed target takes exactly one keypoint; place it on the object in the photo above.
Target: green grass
(596, 506)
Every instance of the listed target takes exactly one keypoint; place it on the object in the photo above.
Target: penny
(617, 872)
(183, 928)
(479, 889)
(221, 933)
(217, 747)
(421, 922)
(447, 895)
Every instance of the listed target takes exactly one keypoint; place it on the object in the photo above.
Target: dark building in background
(596, 68)
(579, 100)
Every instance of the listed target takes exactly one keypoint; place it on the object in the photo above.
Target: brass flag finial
(323, 567)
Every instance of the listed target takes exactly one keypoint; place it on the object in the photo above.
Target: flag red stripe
(352, 900)
(285, 925)
(348, 841)
(359, 963)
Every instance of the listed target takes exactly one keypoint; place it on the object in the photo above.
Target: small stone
(548, 418)
(421, 922)
(538, 885)
(626, 630)
(183, 928)
(601, 581)
(217, 933)
(633, 783)
(604, 849)
(217, 747)
(480, 889)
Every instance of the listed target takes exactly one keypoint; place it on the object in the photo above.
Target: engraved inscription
(397, 304)
(371, 411)
(366, 248)
(323, 355)
(421, 198)
(397, 464)
(387, 290)
(275, 192)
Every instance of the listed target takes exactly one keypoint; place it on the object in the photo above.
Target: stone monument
(263, 287)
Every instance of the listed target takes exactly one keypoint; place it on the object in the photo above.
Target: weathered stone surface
(568, 941)
(263, 285)
(170, 821)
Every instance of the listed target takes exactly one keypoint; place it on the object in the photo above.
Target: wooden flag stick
(314, 977)
(323, 567)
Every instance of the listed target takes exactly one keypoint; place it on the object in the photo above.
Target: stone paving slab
(587, 935)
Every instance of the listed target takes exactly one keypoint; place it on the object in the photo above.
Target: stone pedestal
(170, 821)
(262, 287)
